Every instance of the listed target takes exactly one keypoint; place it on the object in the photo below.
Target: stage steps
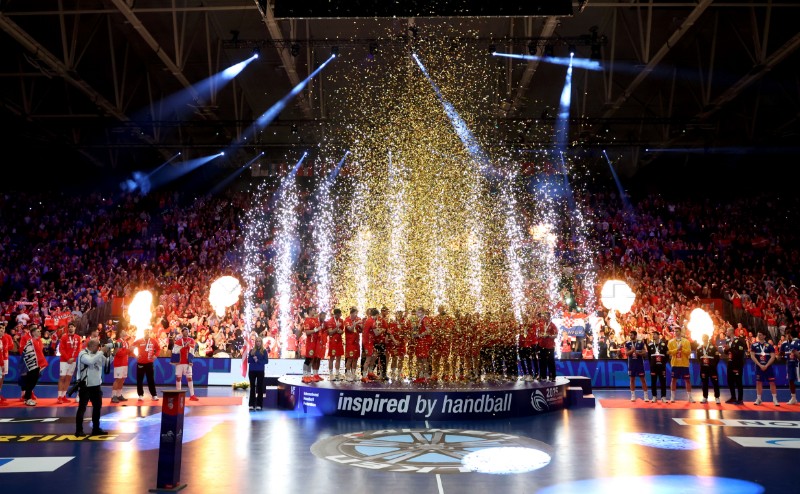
(579, 392)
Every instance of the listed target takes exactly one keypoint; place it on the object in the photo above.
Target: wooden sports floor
(614, 447)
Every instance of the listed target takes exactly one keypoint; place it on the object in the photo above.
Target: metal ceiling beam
(69, 75)
(659, 56)
(756, 73)
(287, 60)
(548, 29)
(148, 38)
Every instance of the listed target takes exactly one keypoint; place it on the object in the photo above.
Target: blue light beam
(460, 127)
(625, 202)
(227, 181)
(581, 63)
(335, 172)
(268, 116)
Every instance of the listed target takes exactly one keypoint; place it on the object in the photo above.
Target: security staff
(90, 375)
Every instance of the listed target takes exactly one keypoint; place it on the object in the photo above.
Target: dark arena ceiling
(85, 83)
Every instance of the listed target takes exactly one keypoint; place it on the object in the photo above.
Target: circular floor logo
(435, 451)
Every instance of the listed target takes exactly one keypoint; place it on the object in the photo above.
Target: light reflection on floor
(590, 450)
(657, 484)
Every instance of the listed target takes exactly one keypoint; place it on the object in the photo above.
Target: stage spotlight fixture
(294, 49)
(492, 49)
(531, 48)
(257, 51)
(549, 51)
(335, 51)
(571, 50)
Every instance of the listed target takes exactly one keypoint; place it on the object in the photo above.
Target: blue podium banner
(411, 403)
(163, 370)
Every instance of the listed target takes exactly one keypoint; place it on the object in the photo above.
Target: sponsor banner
(164, 372)
(780, 424)
(33, 464)
(768, 442)
(65, 438)
(424, 405)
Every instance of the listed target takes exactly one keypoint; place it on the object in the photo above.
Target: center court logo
(538, 401)
(436, 451)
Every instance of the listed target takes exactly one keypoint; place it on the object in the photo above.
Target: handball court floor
(228, 449)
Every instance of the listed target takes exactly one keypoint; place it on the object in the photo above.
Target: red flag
(245, 352)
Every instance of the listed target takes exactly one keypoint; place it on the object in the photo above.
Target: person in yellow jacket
(679, 349)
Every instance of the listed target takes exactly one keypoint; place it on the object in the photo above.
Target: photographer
(90, 377)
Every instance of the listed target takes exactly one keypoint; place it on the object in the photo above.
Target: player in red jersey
(443, 337)
(370, 330)
(311, 329)
(121, 353)
(322, 346)
(352, 348)
(547, 333)
(424, 339)
(396, 345)
(335, 328)
(6, 342)
(382, 327)
(146, 351)
(184, 346)
(69, 346)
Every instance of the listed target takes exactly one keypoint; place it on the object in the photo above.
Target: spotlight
(335, 51)
(549, 51)
(294, 49)
(257, 51)
(492, 49)
(571, 49)
(531, 48)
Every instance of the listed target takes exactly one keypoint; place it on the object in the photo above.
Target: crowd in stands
(62, 258)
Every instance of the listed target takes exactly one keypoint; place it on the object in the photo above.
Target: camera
(74, 387)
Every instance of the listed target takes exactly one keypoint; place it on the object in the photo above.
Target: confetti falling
(429, 208)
